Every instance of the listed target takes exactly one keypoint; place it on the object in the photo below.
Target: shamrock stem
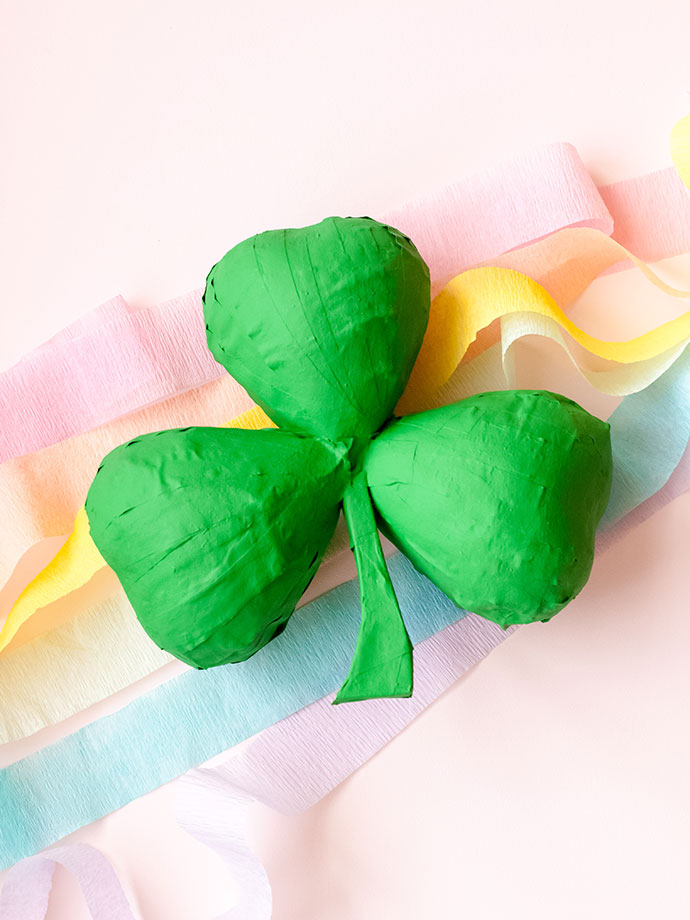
(382, 663)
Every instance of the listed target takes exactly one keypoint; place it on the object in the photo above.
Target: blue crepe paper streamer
(649, 434)
(193, 717)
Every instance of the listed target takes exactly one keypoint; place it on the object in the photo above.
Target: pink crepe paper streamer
(483, 216)
(97, 371)
(26, 890)
(118, 361)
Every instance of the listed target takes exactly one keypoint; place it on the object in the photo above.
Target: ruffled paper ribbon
(26, 889)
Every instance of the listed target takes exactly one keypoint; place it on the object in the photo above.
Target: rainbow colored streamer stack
(71, 640)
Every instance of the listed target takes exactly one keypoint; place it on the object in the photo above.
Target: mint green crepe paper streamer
(159, 736)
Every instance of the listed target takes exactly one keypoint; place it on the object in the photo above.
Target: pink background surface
(143, 140)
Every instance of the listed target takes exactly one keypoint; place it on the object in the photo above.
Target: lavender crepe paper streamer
(26, 890)
(213, 810)
(294, 763)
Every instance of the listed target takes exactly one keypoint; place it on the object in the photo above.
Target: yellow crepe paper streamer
(78, 560)
(469, 303)
(680, 148)
(475, 298)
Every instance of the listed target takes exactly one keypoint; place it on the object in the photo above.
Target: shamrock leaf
(321, 325)
(496, 499)
(215, 534)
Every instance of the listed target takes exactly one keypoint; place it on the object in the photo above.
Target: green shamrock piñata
(216, 533)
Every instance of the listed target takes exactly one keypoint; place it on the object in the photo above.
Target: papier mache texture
(215, 534)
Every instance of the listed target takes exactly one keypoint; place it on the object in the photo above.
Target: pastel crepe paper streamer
(680, 149)
(213, 810)
(645, 431)
(96, 373)
(476, 219)
(127, 754)
(26, 889)
(476, 298)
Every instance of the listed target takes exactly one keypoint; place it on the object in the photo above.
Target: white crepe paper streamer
(26, 890)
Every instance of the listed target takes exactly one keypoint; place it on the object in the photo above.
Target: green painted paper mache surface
(216, 533)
